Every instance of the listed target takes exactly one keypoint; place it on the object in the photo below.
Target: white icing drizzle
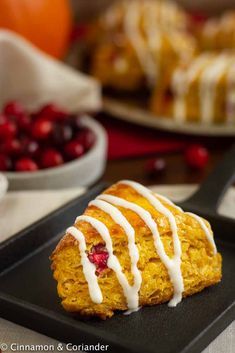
(132, 29)
(198, 219)
(154, 38)
(205, 229)
(130, 311)
(179, 87)
(107, 203)
(181, 82)
(157, 18)
(130, 292)
(173, 39)
(88, 268)
(175, 263)
(198, 65)
(143, 214)
(118, 218)
(209, 81)
(230, 101)
(168, 12)
(172, 265)
(211, 69)
(172, 13)
(179, 109)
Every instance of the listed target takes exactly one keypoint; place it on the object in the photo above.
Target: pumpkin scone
(203, 91)
(132, 248)
(140, 43)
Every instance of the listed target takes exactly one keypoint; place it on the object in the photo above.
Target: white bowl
(3, 185)
(81, 172)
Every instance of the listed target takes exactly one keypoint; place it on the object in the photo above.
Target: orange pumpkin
(46, 23)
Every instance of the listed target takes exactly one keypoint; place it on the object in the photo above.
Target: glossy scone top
(156, 253)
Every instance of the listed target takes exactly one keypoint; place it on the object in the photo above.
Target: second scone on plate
(132, 248)
(202, 91)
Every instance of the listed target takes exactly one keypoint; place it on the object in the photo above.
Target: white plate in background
(3, 185)
(140, 116)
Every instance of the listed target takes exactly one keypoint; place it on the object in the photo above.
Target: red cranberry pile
(44, 139)
(99, 257)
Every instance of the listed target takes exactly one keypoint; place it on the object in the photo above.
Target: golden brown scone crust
(117, 66)
(200, 267)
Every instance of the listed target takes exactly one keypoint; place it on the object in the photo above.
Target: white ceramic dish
(3, 185)
(130, 113)
(83, 171)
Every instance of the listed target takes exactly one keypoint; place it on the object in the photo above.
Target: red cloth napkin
(127, 140)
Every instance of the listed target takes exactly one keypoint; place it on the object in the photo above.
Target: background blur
(87, 9)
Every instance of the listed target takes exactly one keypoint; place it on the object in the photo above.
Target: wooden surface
(176, 172)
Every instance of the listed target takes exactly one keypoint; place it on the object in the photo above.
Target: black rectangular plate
(28, 297)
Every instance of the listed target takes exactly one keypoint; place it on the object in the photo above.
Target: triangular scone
(133, 248)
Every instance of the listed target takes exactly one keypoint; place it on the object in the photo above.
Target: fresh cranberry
(24, 122)
(155, 166)
(13, 108)
(8, 130)
(12, 147)
(42, 129)
(87, 138)
(26, 165)
(30, 147)
(5, 163)
(73, 149)
(62, 133)
(52, 112)
(196, 156)
(99, 257)
(51, 158)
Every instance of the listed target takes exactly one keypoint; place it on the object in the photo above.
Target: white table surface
(19, 209)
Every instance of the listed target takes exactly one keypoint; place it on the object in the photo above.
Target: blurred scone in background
(85, 9)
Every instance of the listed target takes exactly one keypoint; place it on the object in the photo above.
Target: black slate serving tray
(28, 292)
